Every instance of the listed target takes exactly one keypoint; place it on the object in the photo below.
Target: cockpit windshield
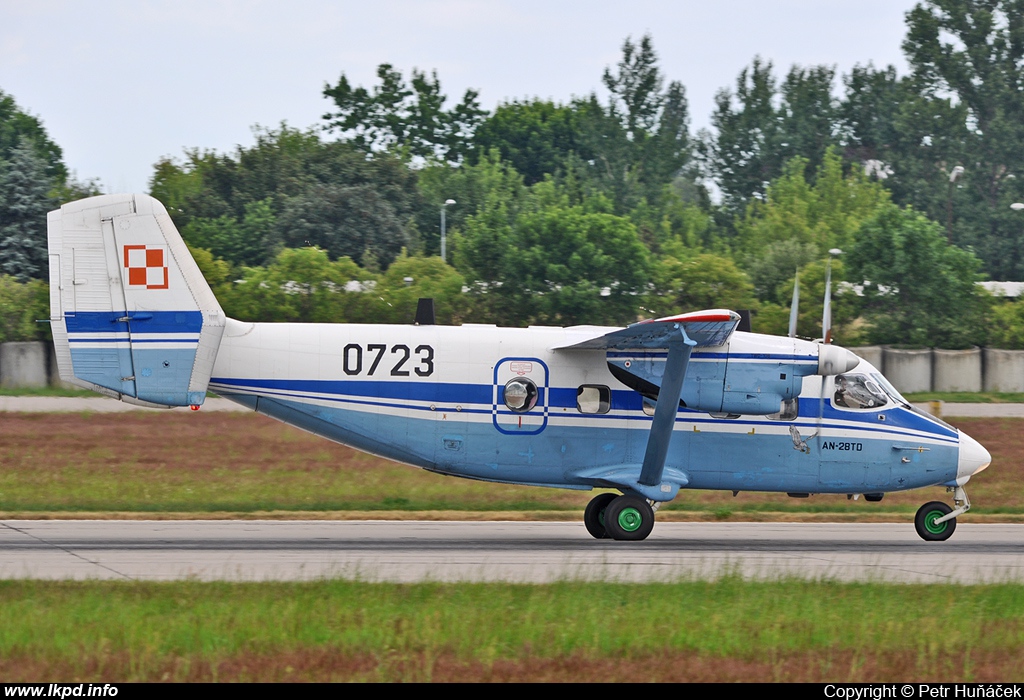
(890, 389)
(859, 391)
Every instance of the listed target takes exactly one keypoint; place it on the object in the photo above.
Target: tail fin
(131, 314)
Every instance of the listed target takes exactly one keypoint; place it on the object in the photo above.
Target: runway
(506, 551)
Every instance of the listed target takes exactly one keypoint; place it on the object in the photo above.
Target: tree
(754, 138)
(16, 124)
(826, 213)
(573, 264)
(303, 286)
(327, 194)
(639, 142)
(535, 137)
(405, 117)
(246, 242)
(351, 222)
(918, 289)
(24, 203)
(705, 281)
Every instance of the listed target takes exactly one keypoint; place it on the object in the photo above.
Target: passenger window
(858, 391)
(788, 410)
(593, 399)
(520, 394)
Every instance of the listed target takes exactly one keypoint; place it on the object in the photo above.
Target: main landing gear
(935, 521)
(619, 517)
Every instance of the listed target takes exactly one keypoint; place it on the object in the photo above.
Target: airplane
(683, 402)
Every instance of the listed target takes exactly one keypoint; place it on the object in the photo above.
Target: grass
(721, 630)
(47, 391)
(211, 463)
(965, 397)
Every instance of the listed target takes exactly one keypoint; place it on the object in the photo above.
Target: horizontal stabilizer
(710, 328)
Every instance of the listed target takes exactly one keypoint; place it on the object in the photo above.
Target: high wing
(679, 335)
(706, 328)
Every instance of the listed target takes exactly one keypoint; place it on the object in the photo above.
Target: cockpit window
(889, 389)
(859, 391)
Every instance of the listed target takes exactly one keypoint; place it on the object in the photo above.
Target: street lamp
(1017, 206)
(443, 239)
(953, 177)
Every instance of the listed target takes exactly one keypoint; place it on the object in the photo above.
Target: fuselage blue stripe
(141, 321)
(467, 395)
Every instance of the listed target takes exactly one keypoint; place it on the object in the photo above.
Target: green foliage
(763, 126)
(24, 202)
(918, 290)
(291, 188)
(1007, 327)
(15, 125)
(568, 265)
(705, 281)
(845, 304)
(301, 285)
(776, 264)
(826, 213)
(346, 221)
(409, 278)
(408, 119)
(245, 242)
(489, 184)
(535, 137)
(638, 143)
(21, 305)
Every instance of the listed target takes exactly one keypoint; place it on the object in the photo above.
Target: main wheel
(593, 516)
(628, 518)
(925, 523)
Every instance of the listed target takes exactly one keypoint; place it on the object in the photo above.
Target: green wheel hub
(630, 519)
(931, 525)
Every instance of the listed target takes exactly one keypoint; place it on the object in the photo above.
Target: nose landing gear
(935, 521)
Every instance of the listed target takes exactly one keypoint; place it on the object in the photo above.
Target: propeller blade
(794, 308)
(826, 313)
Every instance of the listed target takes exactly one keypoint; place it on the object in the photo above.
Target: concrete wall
(24, 365)
(909, 370)
(956, 370)
(1004, 370)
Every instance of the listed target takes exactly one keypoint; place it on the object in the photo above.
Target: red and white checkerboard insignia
(146, 265)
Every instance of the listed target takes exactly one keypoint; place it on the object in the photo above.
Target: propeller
(800, 443)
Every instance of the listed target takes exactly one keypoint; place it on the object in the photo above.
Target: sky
(118, 85)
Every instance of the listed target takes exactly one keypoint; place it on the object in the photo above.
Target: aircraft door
(519, 403)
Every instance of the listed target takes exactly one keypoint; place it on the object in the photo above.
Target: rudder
(131, 314)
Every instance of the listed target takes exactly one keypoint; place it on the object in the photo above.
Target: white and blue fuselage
(432, 396)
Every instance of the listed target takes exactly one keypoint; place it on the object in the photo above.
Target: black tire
(593, 516)
(629, 518)
(923, 521)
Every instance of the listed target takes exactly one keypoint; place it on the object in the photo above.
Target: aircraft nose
(973, 457)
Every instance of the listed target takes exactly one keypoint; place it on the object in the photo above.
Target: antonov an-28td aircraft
(685, 402)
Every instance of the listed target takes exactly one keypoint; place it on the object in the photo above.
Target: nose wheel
(926, 522)
(935, 521)
(619, 517)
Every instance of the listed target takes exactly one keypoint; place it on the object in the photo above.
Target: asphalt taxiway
(507, 551)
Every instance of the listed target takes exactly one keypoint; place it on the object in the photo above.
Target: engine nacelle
(759, 372)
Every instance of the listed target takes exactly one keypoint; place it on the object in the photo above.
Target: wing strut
(679, 348)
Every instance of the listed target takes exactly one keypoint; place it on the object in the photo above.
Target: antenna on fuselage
(425, 312)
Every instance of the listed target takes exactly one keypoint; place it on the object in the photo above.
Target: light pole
(953, 177)
(443, 238)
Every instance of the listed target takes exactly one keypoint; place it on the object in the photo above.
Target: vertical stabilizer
(131, 314)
